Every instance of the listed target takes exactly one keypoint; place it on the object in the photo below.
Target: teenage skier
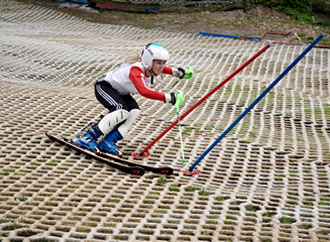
(114, 90)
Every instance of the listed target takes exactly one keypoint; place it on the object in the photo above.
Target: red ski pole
(141, 155)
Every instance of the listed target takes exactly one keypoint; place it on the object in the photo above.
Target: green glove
(179, 99)
(186, 73)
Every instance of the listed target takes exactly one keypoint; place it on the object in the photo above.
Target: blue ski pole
(257, 100)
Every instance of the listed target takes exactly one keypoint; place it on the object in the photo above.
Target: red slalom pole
(202, 100)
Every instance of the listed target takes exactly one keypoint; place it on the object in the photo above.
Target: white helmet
(153, 52)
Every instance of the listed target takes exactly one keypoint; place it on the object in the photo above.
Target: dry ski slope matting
(267, 180)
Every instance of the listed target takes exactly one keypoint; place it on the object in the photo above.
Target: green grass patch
(161, 181)
(7, 172)
(269, 214)
(287, 220)
(203, 192)
(110, 200)
(191, 189)
(252, 208)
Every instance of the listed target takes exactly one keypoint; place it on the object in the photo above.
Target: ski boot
(107, 144)
(89, 139)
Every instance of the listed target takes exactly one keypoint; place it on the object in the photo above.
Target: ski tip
(194, 173)
(136, 155)
(49, 136)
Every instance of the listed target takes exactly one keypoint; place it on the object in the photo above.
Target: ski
(135, 170)
(160, 170)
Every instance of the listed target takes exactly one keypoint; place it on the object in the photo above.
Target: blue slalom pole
(226, 35)
(257, 100)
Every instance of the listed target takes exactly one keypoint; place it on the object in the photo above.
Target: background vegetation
(305, 18)
(302, 10)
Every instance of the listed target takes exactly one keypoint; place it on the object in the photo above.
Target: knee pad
(126, 127)
(109, 121)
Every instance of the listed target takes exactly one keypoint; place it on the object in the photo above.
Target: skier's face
(158, 66)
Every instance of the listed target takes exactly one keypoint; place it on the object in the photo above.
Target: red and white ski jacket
(132, 79)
